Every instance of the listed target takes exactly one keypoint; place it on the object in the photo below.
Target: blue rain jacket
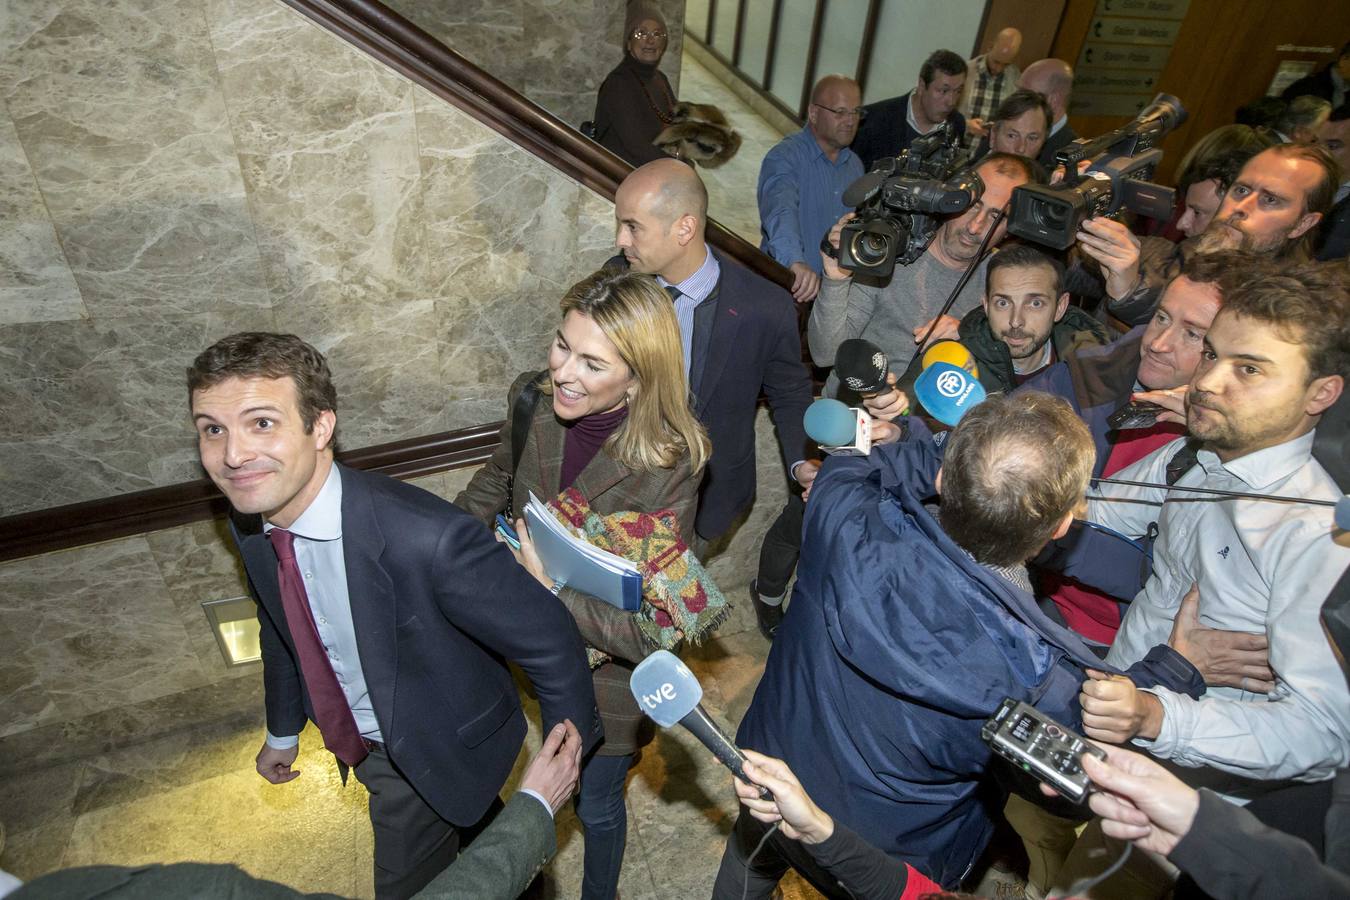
(896, 647)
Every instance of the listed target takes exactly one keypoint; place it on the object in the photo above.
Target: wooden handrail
(76, 524)
(385, 35)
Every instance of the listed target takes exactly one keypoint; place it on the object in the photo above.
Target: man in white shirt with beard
(1275, 359)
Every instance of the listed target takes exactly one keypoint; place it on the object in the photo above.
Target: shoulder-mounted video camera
(902, 201)
(1122, 161)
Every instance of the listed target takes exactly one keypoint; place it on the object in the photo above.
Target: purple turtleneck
(584, 438)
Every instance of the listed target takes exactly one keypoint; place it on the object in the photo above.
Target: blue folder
(581, 565)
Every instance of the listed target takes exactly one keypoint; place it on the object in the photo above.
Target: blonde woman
(612, 420)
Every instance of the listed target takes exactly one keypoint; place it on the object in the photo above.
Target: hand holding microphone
(669, 694)
(797, 814)
(862, 367)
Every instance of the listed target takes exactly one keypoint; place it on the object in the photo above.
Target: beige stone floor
(194, 796)
(731, 187)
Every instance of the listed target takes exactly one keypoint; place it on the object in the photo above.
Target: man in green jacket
(1023, 324)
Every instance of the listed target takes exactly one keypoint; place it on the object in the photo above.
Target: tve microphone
(948, 392)
(838, 429)
(669, 694)
(861, 366)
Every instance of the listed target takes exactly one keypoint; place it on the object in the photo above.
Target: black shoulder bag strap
(1181, 462)
(521, 416)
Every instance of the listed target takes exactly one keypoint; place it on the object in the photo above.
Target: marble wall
(107, 645)
(556, 52)
(174, 171)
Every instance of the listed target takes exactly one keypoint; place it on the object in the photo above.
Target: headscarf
(637, 12)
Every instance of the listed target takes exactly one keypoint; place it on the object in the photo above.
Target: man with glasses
(803, 179)
(892, 125)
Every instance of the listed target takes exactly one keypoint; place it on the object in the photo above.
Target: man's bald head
(1054, 79)
(668, 189)
(661, 212)
(833, 129)
(1007, 45)
(830, 85)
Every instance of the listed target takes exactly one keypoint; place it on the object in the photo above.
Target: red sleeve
(918, 885)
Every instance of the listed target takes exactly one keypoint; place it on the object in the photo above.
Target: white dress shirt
(1262, 567)
(318, 553)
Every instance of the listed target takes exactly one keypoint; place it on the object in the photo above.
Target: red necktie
(332, 713)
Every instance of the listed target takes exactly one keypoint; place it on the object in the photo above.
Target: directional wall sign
(1144, 9)
(1097, 55)
(1130, 105)
(1114, 81)
(1134, 31)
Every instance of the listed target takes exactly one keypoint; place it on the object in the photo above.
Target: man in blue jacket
(908, 627)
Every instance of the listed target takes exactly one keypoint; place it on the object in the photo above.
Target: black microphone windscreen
(861, 366)
(860, 191)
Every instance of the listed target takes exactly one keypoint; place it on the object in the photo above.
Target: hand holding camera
(830, 260)
(1116, 248)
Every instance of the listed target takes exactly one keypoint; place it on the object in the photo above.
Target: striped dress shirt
(693, 291)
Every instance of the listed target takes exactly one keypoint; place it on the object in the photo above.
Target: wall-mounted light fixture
(234, 622)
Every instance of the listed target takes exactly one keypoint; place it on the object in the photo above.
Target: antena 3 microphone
(669, 694)
(861, 366)
(839, 430)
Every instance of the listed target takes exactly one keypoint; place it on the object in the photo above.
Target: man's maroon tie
(332, 713)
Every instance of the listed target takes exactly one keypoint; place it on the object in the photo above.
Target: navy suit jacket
(1053, 143)
(885, 130)
(745, 343)
(438, 607)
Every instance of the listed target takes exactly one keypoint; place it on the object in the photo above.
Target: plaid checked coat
(609, 487)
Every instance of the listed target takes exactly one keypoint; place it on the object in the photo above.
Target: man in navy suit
(1052, 79)
(386, 614)
(739, 333)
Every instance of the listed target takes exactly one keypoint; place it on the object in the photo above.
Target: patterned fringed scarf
(679, 598)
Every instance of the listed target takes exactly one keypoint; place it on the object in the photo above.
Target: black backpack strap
(521, 416)
(1182, 461)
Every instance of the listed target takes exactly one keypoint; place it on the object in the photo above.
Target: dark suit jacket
(498, 865)
(1318, 84)
(744, 344)
(885, 130)
(745, 341)
(609, 487)
(1333, 240)
(1065, 135)
(438, 607)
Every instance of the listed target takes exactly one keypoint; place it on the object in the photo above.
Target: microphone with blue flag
(948, 392)
(669, 694)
